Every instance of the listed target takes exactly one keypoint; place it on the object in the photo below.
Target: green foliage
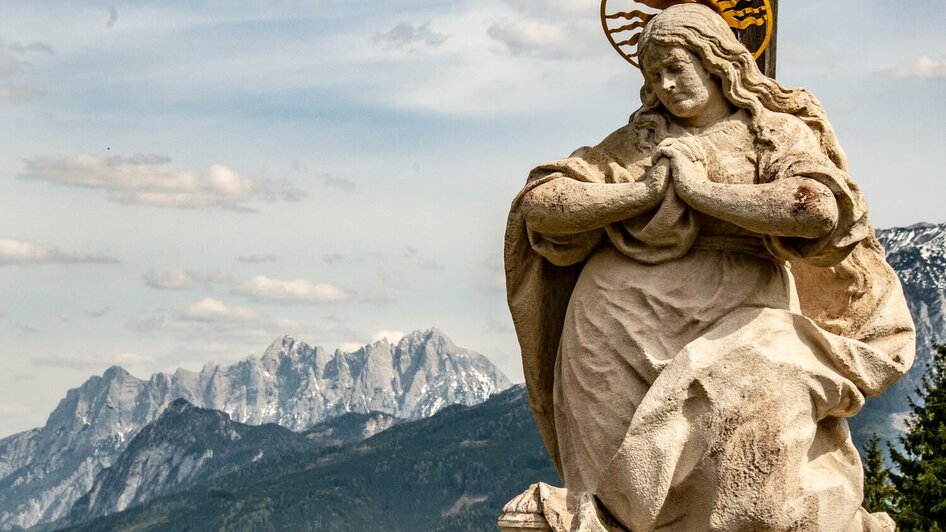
(879, 492)
(921, 481)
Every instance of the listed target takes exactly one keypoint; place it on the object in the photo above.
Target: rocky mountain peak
(918, 253)
(291, 384)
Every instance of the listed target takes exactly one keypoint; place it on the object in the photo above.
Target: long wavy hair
(703, 32)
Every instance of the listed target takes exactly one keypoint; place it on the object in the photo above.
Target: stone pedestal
(539, 508)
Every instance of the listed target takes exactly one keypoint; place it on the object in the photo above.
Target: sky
(184, 182)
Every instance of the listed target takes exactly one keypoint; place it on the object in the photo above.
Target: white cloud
(531, 36)
(153, 180)
(23, 253)
(300, 290)
(209, 310)
(900, 421)
(925, 68)
(211, 320)
(350, 347)
(405, 35)
(180, 279)
(391, 336)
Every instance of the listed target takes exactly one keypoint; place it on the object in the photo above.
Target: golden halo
(623, 28)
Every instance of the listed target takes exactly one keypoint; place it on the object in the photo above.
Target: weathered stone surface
(701, 303)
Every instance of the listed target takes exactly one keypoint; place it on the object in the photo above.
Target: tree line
(913, 492)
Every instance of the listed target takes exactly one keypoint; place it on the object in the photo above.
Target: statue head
(703, 34)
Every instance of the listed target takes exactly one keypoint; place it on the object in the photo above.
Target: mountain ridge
(45, 470)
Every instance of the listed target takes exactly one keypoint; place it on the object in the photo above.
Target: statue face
(679, 80)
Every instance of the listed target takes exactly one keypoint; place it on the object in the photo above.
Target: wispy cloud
(154, 180)
(209, 310)
(180, 279)
(406, 35)
(211, 320)
(391, 336)
(19, 252)
(536, 37)
(332, 258)
(350, 347)
(924, 68)
(299, 291)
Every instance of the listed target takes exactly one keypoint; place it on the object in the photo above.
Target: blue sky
(186, 181)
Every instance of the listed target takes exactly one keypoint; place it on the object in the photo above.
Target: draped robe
(688, 374)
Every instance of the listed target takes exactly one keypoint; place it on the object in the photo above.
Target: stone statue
(701, 303)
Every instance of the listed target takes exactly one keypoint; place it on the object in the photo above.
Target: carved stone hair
(702, 31)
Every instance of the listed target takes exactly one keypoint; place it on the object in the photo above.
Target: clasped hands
(681, 161)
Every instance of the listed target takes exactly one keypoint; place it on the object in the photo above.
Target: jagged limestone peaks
(293, 384)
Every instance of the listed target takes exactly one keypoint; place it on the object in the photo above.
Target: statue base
(539, 508)
(544, 508)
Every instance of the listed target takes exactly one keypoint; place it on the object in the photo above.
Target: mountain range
(150, 449)
(44, 471)
(188, 445)
(451, 472)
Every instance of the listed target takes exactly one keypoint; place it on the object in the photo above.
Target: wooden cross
(753, 37)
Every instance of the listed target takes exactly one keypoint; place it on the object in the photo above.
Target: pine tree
(879, 492)
(921, 481)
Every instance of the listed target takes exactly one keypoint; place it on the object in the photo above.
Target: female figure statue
(701, 303)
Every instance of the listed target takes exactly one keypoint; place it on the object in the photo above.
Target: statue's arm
(791, 207)
(567, 206)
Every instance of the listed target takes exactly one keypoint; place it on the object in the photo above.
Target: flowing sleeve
(800, 155)
(844, 282)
